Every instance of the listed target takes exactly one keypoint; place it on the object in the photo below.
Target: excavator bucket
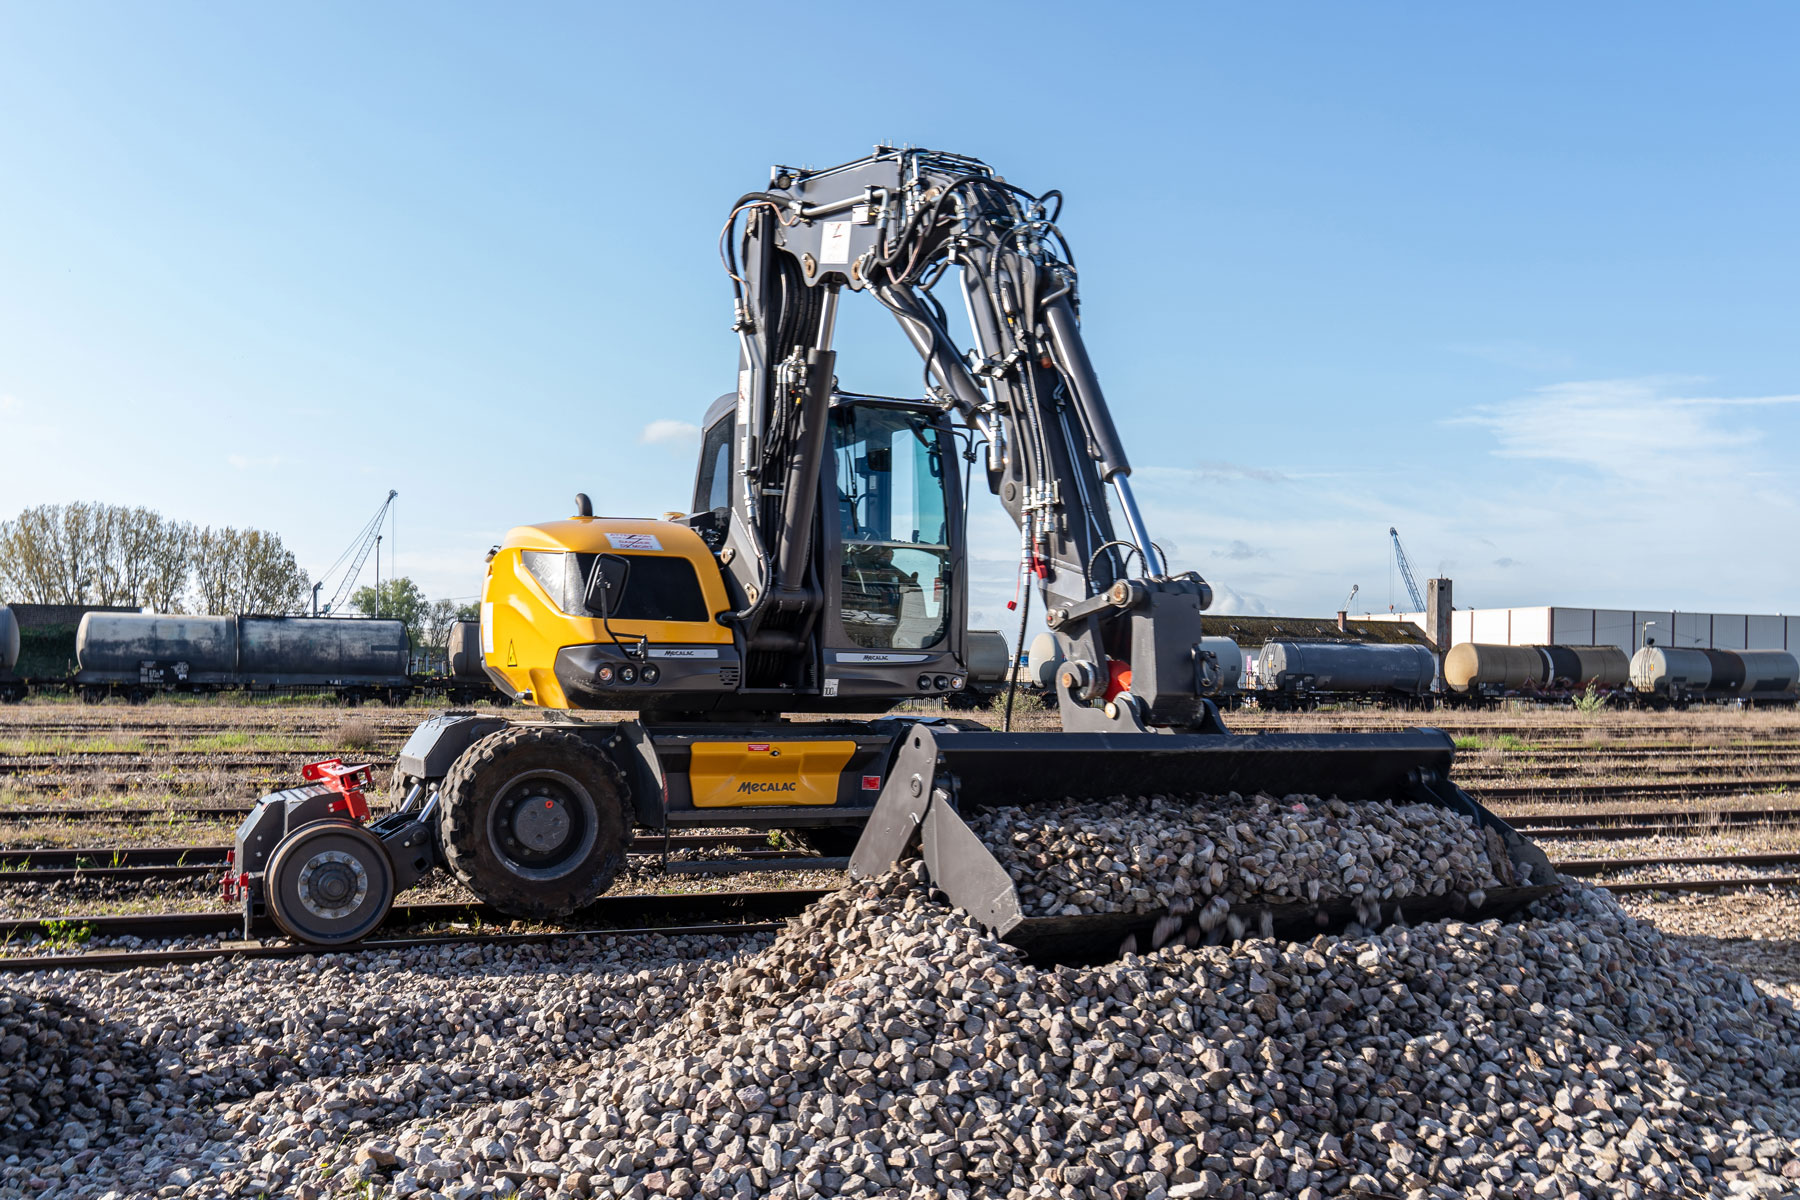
(1022, 790)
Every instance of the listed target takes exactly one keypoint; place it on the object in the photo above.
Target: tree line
(117, 555)
(113, 554)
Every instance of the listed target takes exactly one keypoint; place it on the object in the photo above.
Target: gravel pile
(1154, 854)
(259, 1071)
(64, 1077)
(885, 1045)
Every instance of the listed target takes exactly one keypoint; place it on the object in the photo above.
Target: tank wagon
(465, 680)
(1671, 676)
(138, 654)
(1476, 672)
(1302, 674)
(12, 688)
(989, 661)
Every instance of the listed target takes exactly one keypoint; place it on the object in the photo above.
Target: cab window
(893, 520)
(712, 487)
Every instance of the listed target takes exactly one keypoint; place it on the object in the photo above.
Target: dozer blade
(941, 774)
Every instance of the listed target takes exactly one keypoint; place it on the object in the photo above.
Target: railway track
(163, 862)
(609, 916)
(728, 913)
(1494, 796)
(153, 864)
(1576, 793)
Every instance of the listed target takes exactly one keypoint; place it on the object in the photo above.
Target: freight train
(1287, 675)
(134, 655)
(1655, 677)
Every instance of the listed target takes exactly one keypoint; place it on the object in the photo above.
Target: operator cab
(887, 555)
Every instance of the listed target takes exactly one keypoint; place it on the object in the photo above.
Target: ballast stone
(1153, 854)
(890, 1047)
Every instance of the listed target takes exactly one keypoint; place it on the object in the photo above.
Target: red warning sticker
(871, 783)
(757, 747)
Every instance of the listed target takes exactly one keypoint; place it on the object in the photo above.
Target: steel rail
(631, 910)
(769, 861)
(120, 960)
(1589, 867)
(130, 862)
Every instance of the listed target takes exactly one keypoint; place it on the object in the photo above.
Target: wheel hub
(541, 822)
(332, 884)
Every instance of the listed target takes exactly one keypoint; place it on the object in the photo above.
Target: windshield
(892, 517)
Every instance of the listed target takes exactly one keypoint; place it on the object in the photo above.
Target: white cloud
(1630, 429)
(1228, 601)
(668, 432)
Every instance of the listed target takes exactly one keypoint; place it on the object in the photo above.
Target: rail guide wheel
(329, 883)
(533, 821)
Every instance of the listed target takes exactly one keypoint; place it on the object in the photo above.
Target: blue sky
(1520, 280)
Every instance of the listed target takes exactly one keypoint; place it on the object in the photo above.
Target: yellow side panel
(738, 774)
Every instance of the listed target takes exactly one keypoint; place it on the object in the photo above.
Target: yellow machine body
(739, 774)
(532, 609)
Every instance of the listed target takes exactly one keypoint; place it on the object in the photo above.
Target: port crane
(1412, 585)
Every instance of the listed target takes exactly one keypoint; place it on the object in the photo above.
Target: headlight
(924, 683)
(604, 675)
(649, 673)
(956, 683)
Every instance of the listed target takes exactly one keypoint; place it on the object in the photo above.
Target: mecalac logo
(747, 788)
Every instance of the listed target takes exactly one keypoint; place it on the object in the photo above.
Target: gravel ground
(1756, 932)
(883, 1045)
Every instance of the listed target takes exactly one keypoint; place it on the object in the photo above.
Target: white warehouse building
(1552, 625)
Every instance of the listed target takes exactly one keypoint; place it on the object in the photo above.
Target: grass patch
(210, 743)
(1506, 741)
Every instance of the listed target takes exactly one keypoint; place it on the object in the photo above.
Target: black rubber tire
(287, 868)
(479, 790)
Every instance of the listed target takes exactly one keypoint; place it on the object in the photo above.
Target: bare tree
(437, 622)
(245, 571)
(169, 563)
(109, 554)
(271, 580)
(214, 556)
(30, 562)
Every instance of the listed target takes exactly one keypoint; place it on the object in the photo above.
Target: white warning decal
(836, 246)
(634, 541)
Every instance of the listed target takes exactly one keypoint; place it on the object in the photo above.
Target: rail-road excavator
(823, 570)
